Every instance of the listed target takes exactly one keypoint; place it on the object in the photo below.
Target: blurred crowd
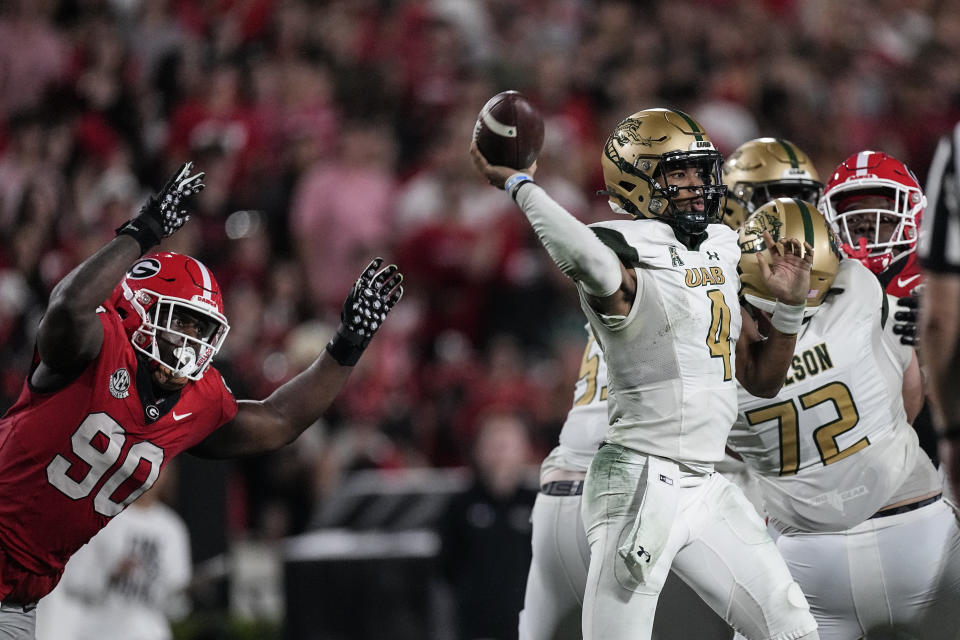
(332, 131)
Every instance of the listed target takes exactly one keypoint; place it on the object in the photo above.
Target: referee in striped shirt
(939, 254)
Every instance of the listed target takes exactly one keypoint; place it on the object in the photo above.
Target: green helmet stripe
(807, 221)
(694, 127)
(790, 153)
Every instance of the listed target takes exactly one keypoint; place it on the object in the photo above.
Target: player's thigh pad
(734, 565)
(558, 571)
(616, 606)
(896, 573)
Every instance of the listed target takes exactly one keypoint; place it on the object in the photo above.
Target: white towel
(651, 529)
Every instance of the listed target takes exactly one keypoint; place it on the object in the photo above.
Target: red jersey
(902, 276)
(72, 459)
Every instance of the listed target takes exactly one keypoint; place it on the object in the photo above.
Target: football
(509, 130)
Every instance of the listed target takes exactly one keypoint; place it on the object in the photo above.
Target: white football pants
(891, 577)
(716, 543)
(553, 602)
(558, 571)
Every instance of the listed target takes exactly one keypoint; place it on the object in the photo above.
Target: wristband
(344, 351)
(787, 318)
(144, 229)
(513, 183)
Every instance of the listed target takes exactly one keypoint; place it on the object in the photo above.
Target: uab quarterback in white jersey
(678, 336)
(660, 293)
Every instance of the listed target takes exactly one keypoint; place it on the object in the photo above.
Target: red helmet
(875, 235)
(174, 298)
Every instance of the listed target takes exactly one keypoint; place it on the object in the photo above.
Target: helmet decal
(628, 131)
(146, 268)
(172, 311)
(794, 218)
(751, 240)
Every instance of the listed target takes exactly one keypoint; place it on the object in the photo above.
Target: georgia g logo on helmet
(146, 268)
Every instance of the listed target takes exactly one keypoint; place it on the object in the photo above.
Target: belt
(19, 608)
(562, 488)
(906, 508)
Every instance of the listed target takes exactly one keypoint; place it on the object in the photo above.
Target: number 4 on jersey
(718, 339)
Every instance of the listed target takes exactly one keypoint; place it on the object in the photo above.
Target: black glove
(364, 310)
(163, 213)
(905, 320)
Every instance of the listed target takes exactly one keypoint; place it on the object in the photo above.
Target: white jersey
(835, 446)
(671, 360)
(124, 582)
(586, 421)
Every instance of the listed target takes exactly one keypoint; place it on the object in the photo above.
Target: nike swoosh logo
(902, 282)
(181, 416)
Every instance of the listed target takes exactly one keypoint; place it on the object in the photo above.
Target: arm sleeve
(572, 245)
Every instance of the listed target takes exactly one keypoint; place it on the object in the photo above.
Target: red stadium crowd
(334, 130)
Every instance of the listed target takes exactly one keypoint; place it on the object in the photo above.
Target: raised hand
(787, 275)
(164, 213)
(374, 294)
(496, 175)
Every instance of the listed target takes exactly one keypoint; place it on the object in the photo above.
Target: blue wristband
(513, 183)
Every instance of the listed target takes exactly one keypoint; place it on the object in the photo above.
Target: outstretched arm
(70, 333)
(265, 425)
(765, 348)
(611, 287)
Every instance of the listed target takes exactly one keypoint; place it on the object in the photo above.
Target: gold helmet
(787, 218)
(762, 169)
(637, 156)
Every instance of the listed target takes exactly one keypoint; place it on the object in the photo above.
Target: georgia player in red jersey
(122, 382)
(876, 203)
